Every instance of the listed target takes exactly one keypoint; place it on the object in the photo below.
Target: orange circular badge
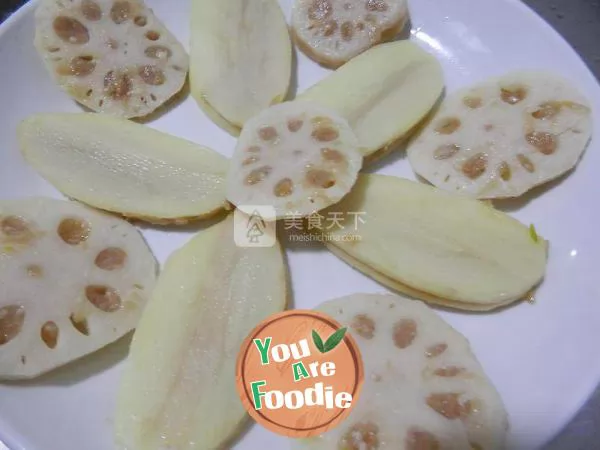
(299, 373)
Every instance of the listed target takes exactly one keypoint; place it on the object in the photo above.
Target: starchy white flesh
(241, 58)
(424, 389)
(334, 31)
(297, 157)
(502, 137)
(112, 56)
(178, 390)
(120, 166)
(383, 93)
(437, 246)
(72, 280)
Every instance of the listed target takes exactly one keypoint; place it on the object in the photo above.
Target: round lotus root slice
(297, 157)
(332, 32)
(502, 137)
(112, 56)
(423, 389)
(72, 280)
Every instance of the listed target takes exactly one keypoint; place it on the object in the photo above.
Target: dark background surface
(579, 22)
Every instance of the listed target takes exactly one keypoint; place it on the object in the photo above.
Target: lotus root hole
(80, 324)
(112, 44)
(91, 10)
(504, 171)
(267, 133)
(363, 325)
(49, 334)
(284, 188)
(81, 66)
(436, 350)
(111, 258)
(71, 30)
(158, 52)
(320, 10)
(545, 143)
(295, 125)
(448, 125)
(117, 85)
(104, 298)
(253, 149)
(335, 156)
(320, 178)
(53, 49)
(446, 151)
(152, 75)
(475, 166)
(547, 110)
(250, 160)
(404, 333)
(34, 271)
(347, 30)
(11, 322)
(74, 231)
(257, 175)
(448, 405)
(14, 226)
(120, 11)
(421, 440)
(153, 35)
(513, 94)
(526, 163)
(330, 27)
(140, 21)
(448, 372)
(325, 133)
(472, 102)
(377, 5)
(361, 436)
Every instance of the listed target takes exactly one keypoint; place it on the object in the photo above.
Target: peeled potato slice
(383, 93)
(72, 280)
(334, 31)
(502, 137)
(112, 56)
(424, 389)
(178, 390)
(297, 157)
(439, 247)
(120, 166)
(241, 58)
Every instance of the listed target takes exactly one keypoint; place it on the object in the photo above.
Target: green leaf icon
(334, 340)
(318, 341)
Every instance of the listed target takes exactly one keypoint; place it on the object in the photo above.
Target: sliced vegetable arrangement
(179, 384)
(53, 309)
(113, 57)
(444, 400)
(424, 387)
(120, 166)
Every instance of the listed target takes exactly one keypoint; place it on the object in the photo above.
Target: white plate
(543, 358)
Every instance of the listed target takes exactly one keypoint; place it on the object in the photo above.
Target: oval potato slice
(112, 56)
(241, 58)
(332, 32)
(504, 136)
(298, 157)
(178, 390)
(437, 246)
(123, 167)
(424, 389)
(72, 280)
(383, 93)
